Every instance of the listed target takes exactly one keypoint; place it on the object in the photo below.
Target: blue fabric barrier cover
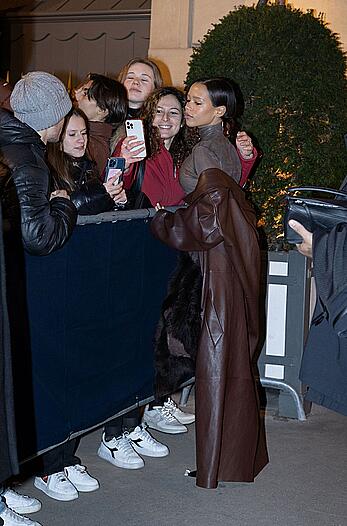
(93, 307)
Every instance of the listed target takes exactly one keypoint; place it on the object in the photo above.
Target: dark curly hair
(185, 139)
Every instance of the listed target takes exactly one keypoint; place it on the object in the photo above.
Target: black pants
(59, 458)
(126, 422)
(159, 400)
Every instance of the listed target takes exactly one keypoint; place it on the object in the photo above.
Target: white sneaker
(162, 419)
(20, 503)
(119, 452)
(145, 444)
(80, 478)
(181, 416)
(9, 517)
(56, 486)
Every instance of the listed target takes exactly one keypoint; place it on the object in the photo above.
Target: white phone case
(134, 127)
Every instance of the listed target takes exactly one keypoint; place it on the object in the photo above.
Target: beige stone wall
(177, 25)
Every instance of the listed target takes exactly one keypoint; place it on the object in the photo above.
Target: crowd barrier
(92, 308)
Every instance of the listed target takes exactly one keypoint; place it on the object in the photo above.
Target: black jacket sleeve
(46, 225)
(92, 198)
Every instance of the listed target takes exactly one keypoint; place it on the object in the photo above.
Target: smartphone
(113, 165)
(135, 127)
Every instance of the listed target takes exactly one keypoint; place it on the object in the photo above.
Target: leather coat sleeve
(189, 229)
(92, 198)
(46, 225)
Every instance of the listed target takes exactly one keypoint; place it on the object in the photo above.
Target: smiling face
(168, 118)
(76, 137)
(139, 82)
(199, 110)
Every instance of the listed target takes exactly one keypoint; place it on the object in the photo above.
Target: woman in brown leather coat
(219, 226)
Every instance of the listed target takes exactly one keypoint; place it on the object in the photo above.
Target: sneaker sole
(85, 488)
(53, 494)
(185, 421)
(26, 510)
(118, 463)
(150, 452)
(171, 431)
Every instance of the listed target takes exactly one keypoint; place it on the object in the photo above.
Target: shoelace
(170, 403)
(12, 493)
(79, 468)
(61, 477)
(167, 413)
(124, 444)
(146, 436)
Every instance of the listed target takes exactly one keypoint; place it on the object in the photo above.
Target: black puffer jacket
(24, 189)
(89, 195)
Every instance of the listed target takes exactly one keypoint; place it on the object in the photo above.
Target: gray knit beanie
(40, 100)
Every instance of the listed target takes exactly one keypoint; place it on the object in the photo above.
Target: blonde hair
(158, 79)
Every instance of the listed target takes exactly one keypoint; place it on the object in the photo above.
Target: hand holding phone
(134, 129)
(115, 166)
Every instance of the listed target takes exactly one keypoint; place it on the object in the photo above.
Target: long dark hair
(182, 143)
(60, 162)
(224, 92)
(110, 95)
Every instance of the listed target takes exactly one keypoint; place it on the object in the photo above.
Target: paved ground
(305, 484)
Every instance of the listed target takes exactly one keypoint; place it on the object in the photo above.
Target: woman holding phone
(73, 171)
(169, 141)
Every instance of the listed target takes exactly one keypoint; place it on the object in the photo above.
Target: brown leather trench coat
(219, 224)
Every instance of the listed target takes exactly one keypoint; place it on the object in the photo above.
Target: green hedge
(291, 70)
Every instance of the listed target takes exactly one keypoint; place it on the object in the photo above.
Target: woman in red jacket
(169, 142)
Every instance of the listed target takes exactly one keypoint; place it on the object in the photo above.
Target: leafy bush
(291, 70)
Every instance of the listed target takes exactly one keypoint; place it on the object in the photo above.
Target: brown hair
(158, 79)
(59, 161)
(183, 141)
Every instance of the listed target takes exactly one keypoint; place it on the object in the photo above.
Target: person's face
(139, 83)
(75, 138)
(89, 106)
(52, 134)
(168, 118)
(199, 110)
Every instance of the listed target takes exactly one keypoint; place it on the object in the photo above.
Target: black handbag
(313, 212)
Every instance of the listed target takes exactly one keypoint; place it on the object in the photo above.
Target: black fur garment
(179, 328)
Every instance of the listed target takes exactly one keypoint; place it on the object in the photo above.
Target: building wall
(72, 46)
(175, 29)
